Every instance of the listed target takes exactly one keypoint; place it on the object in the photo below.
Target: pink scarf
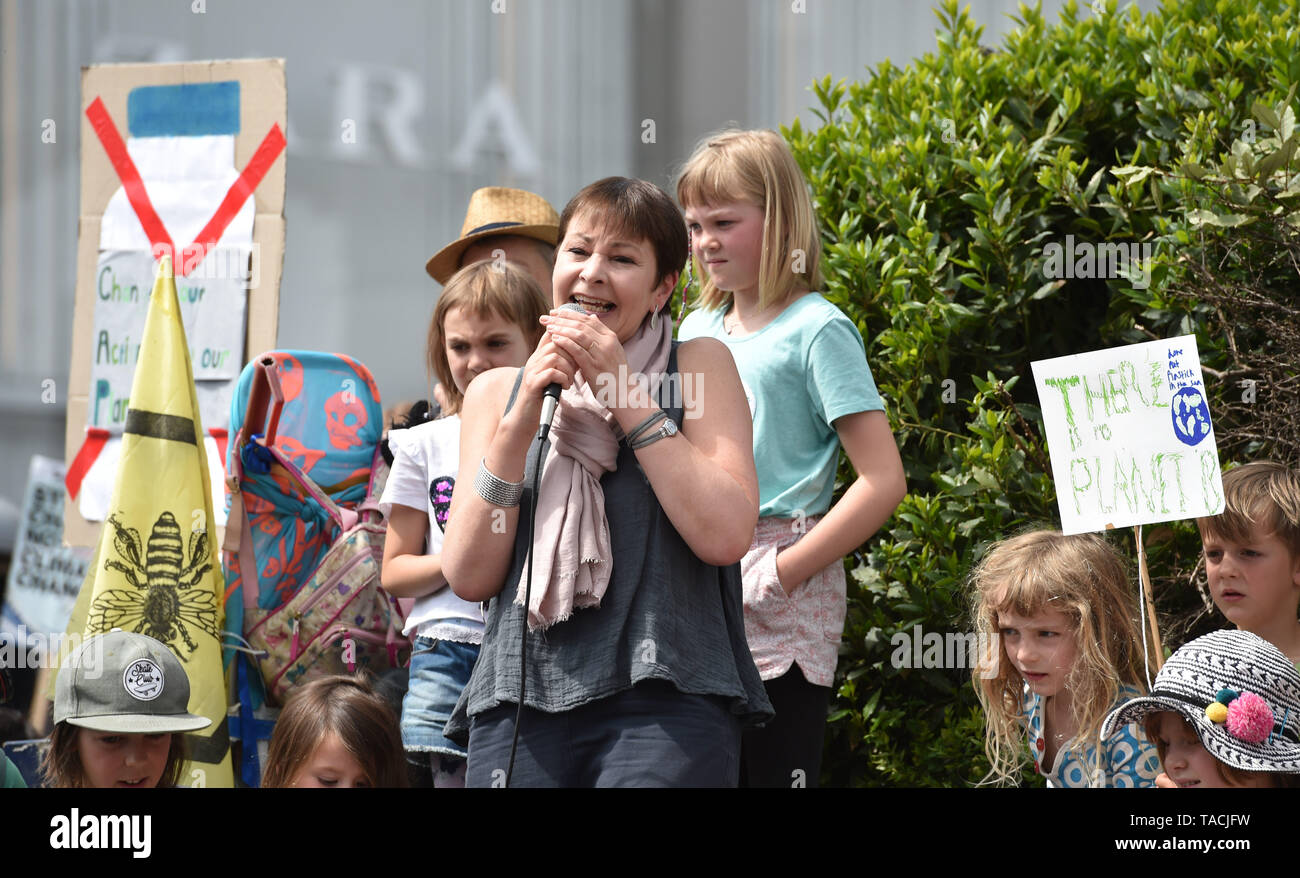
(572, 565)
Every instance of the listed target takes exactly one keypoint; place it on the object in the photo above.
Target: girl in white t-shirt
(487, 316)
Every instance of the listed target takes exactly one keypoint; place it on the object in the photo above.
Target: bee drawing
(163, 597)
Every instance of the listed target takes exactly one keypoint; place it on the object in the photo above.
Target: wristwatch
(666, 428)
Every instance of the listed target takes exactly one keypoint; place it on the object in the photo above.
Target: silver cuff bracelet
(494, 490)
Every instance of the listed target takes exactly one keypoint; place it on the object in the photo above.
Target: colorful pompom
(1225, 697)
(1250, 718)
(1216, 712)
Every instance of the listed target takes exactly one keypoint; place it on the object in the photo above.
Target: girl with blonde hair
(1064, 621)
(803, 364)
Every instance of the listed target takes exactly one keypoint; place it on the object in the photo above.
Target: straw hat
(496, 210)
(1240, 694)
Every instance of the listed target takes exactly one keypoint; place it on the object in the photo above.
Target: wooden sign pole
(1156, 656)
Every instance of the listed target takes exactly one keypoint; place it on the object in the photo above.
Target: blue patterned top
(1129, 760)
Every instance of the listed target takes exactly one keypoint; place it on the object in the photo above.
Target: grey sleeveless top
(665, 616)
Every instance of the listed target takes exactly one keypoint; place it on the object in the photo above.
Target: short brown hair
(634, 209)
(349, 707)
(484, 288)
(1228, 774)
(1261, 493)
(62, 768)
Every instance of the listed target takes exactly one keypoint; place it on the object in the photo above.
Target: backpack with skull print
(304, 542)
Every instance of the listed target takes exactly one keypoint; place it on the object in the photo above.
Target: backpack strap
(265, 386)
(239, 531)
(249, 581)
(371, 501)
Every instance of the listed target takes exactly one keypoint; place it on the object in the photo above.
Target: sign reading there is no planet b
(1130, 435)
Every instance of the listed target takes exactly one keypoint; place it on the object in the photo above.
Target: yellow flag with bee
(156, 569)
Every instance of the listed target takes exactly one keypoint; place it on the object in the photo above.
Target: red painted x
(238, 193)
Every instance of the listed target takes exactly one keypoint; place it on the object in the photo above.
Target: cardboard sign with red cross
(186, 160)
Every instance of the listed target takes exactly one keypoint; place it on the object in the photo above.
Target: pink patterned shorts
(802, 628)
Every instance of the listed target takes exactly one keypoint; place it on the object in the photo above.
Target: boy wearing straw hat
(519, 226)
(500, 223)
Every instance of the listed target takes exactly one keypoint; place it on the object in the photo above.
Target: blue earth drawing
(1191, 415)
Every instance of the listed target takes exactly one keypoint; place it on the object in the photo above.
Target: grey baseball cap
(125, 683)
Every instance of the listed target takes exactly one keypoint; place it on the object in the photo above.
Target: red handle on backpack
(265, 388)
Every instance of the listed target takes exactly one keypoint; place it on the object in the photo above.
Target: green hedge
(939, 185)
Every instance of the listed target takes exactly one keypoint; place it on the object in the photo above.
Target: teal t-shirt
(802, 371)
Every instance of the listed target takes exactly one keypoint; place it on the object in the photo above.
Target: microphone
(551, 400)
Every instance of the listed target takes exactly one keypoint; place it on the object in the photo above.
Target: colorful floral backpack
(304, 540)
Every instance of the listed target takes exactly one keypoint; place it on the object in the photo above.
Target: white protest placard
(45, 576)
(213, 303)
(1130, 435)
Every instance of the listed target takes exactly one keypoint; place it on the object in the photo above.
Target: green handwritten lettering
(1211, 483)
(1077, 488)
(1064, 385)
(1118, 398)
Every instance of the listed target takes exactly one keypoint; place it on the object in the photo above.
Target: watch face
(670, 429)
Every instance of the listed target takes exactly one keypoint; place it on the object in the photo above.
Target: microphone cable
(542, 445)
(543, 431)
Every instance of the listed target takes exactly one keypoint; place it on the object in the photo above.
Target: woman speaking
(638, 673)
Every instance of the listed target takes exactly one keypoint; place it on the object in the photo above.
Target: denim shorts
(440, 669)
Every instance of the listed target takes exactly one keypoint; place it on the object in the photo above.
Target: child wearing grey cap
(120, 710)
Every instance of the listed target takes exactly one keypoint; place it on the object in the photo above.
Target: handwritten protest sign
(212, 309)
(181, 158)
(46, 576)
(1130, 435)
